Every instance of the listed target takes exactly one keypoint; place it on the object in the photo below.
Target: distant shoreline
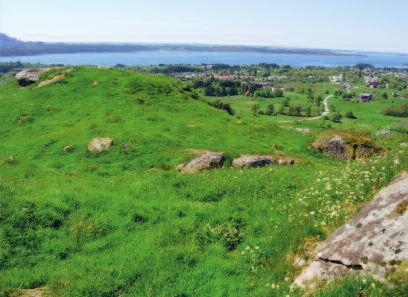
(11, 47)
(100, 48)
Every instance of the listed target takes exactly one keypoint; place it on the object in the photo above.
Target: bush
(336, 117)
(400, 110)
(224, 106)
(350, 115)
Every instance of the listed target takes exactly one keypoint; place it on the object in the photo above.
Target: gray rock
(98, 145)
(208, 160)
(371, 243)
(29, 76)
(252, 161)
(303, 130)
(384, 132)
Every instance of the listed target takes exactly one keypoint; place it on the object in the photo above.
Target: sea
(146, 58)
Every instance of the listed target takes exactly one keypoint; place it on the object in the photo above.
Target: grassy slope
(128, 225)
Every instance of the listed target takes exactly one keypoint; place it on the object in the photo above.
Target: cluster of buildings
(336, 79)
(373, 82)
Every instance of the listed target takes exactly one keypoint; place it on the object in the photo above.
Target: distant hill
(13, 47)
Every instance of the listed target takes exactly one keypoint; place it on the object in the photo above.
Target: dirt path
(324, 113)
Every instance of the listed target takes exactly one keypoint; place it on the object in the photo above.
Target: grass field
(125, 223)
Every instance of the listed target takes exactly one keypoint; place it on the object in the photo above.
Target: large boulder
(373, 242)
(253, 161)
(29, 76)
(98, 145)
(207, 160)
(346, 146)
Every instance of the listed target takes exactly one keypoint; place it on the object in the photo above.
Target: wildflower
(396, 162)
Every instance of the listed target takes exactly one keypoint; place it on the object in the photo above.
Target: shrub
(229, 234)
(350, 115)
(139, 219)
(224, 106)
(336, 117)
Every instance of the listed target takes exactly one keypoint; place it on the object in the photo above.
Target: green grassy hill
(125, 223)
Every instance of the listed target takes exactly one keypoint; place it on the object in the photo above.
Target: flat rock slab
(372, 242)
(208, 160)
(98, 145)
(29, 76)
(253, 161)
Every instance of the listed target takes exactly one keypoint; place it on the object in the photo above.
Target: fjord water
(145, 58)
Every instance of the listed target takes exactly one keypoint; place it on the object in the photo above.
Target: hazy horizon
(363, 26)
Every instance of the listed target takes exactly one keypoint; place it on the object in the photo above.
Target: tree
(270, 109)
(285, 102)
(337, 117)
(385, 96)
(318, 100)
(255, 109)
(298, 110)
(308, 111)
(278, 93)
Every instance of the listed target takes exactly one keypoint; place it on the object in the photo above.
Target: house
(366, 97)
(372, 82)
(229, 77)
(347, 87)
(277, 77)
(336, 78)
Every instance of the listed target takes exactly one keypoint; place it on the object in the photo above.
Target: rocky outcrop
(29, 76)
(373, 242)
(208, 160)
(253, 161)
(346, 146)
(38, 292)
(98, 145)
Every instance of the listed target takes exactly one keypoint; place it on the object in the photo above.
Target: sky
(373, 25)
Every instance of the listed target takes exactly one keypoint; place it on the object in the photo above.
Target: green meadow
(126, 223)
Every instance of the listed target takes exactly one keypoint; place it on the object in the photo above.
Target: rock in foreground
(253, 161)
(29, 76)
(374, 241)
(346, 146)
(208, 160)
(98, 145)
